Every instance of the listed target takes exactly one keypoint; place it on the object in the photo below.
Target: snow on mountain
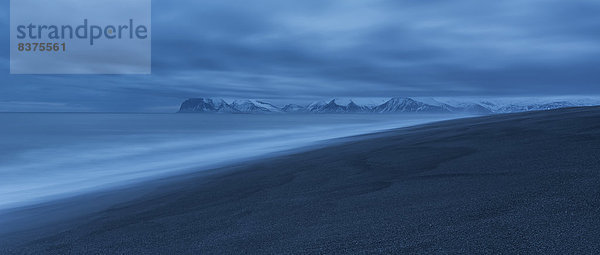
(399, 104)
(206, 105)
(209, 105)
(394, 105)
(353, 107)
(315, 106)
(474, 109)
(293, 108)
(267, 106)
(334, 106)
(247, 106)
(521, 104)
(331, 107)
(254, 106)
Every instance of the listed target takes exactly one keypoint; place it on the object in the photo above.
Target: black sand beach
(517, 183)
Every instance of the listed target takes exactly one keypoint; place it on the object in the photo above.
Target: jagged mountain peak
(352, 103)
(404, 104)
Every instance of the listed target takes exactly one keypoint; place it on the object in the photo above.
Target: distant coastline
(393, 105)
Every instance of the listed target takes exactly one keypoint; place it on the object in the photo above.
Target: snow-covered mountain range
(393, 105)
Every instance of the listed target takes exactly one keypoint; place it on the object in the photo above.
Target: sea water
(45, 156)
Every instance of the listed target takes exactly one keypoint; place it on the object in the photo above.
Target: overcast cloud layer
(309, 49)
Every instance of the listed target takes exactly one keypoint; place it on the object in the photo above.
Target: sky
(311, 49)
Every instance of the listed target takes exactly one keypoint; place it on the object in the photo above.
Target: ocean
(46, 156)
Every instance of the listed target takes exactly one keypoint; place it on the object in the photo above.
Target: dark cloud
(343, 48)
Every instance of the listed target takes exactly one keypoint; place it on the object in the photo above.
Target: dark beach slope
(518, 183)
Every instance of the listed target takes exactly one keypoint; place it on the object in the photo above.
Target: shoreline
(112, 195)
(389, 180)
(74, 154)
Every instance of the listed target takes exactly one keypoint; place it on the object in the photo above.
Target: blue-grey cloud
(342, 48)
